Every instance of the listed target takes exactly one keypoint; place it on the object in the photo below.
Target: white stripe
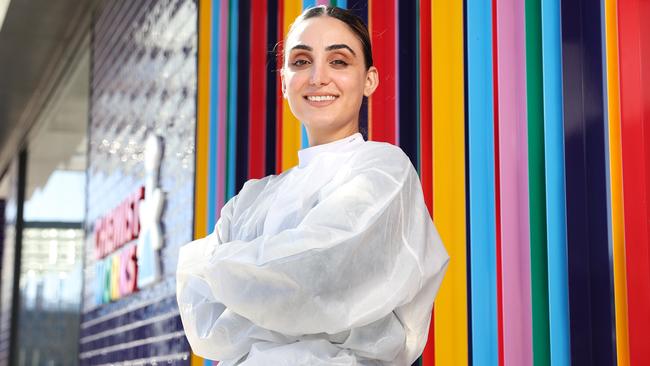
(128, 327)
(128, 309)
(132, 344)
(152, 360)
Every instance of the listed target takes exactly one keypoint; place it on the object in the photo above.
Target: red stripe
(383, 108)
(426, 165)
(426, 155)
(257, 91)
(279, 64)
(497, 183)
(634, 52)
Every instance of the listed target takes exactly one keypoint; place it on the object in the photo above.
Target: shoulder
(383, 156)
(253, 187)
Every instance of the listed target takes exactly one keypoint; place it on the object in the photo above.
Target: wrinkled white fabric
(333, 262)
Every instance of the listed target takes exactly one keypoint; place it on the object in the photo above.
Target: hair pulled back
(355, 24)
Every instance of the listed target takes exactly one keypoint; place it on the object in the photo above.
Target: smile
(320, 98)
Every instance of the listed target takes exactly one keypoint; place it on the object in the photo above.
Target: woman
(333, 262)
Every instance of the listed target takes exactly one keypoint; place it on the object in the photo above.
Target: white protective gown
(333, 262)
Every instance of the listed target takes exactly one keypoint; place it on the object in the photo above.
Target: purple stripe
(513, 156)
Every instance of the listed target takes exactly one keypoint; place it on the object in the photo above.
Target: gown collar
(307, 154)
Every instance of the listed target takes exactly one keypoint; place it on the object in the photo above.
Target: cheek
(350, 83)
(295, 80)
(352, 86)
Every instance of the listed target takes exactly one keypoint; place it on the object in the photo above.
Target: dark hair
(355, 24)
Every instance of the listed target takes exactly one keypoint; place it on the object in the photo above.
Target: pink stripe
(322, 2)
(223, 91)
(513, 156)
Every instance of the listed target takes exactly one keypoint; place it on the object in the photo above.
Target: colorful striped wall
(528, 123)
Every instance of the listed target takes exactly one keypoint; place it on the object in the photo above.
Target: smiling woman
(335, 261)
(327, 70)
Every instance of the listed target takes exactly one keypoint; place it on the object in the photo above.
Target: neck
(324, 137)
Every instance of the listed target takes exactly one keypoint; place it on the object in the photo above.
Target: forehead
(322, 31)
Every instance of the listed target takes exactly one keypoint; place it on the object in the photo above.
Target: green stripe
(537, 189)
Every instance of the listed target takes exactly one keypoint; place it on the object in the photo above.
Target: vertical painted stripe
(272, 71)
(279, 125)
(426, 155)
(616, 184)
(222, 156)
(360, 9)
(257, 90)
(243, 104)
(497, 182)
(558, 296)
(382, 108)
(449, 178)
(537, 190)
(202, 122)
(418, 126)
(291, 127)
(232, 97)
(426, 165)
(634, 53)
(468, 223)
(213, 124)
(481, 183)
(517, 337)
(304, 138)
(201, 202)
(311, 3)
(590, 295)
(408, 82)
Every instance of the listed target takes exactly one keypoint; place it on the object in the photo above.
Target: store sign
(116, 266)
(128, 239)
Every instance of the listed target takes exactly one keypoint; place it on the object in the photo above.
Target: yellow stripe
(618, 238)
(194, 359)
(449, 178)
(290, 125)
(202, 124)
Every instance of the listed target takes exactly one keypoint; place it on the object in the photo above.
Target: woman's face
(324, 78)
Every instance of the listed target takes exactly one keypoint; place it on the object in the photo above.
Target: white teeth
(320, 98)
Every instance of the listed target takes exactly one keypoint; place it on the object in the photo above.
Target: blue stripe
(482, 207)
(213, 119)
(342, 4)
(304, 139)
(555, 189)
(232, 98)
(308, 4)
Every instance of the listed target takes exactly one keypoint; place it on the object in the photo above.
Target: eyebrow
(337, 46)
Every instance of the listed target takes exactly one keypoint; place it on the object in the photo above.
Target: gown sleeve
(367, 248)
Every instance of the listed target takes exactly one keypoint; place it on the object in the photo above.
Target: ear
(372, 81)
(284, 84)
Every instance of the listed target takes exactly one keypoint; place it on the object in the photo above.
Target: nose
(319, 74)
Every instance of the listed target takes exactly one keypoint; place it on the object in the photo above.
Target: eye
(339, 63)
(300, 62)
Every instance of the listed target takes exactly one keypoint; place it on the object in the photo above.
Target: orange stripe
(202, 123)
(616, 189)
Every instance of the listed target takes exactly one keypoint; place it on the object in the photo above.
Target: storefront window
(51, 257)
